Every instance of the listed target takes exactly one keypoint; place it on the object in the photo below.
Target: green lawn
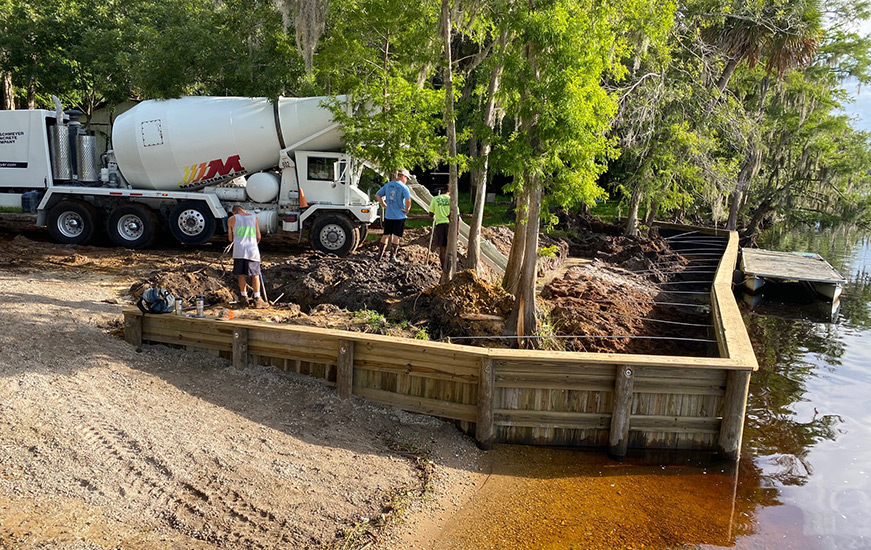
(494, 213)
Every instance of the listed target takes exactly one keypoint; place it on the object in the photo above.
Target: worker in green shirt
(440, 210)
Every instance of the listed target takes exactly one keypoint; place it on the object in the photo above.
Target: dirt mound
(215, 285)
(577, 222)
(596, 308)
(600, 308)
(465, 306)
(356, 282)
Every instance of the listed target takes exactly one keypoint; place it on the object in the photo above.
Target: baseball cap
(405, 173)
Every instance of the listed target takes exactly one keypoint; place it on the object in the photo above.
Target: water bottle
(178, 305)
(200, 305)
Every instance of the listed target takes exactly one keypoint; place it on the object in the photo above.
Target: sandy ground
(103, 445)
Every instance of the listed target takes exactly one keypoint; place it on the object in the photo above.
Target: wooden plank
(734, 408)
(709, 425)
(446, 372)
(732, 335)
(613, 359)
(301, 354)
(557, 385)
(240, 347)
(454, 411)
(660, 373)
(444, 363)
(181, 340)
(689, 389)
(520, 367)
(551, 419)
(345, 369)
(133, 327)
(484, 421)
(618, 438)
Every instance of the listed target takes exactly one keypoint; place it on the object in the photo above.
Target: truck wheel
(333, 234)
(191, 222)
(72, 222)
(133, 226)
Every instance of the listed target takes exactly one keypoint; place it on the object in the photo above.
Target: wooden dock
(613, 402)
(760, 266)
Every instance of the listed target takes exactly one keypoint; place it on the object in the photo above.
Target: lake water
(804, 479)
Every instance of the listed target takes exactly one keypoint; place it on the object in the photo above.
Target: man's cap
(405, 173)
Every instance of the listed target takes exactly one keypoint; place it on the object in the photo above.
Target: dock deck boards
(789, 266)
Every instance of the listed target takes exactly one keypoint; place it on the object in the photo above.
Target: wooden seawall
(606, 401)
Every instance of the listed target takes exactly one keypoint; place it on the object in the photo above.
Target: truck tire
(191, 222)
(133, 226)
(334, 234)
(72, 222)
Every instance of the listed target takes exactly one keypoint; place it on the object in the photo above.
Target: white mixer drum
(262, 187)
(192, 142)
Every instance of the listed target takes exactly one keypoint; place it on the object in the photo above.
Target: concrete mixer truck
(181, 164)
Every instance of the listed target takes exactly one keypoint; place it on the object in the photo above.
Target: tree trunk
(522, 321)
(7, 97)
(31, 93)
(765, 208)
(632, 217)
(650, 216)
(479, 175)
(511, 280)
(730, 67)
(450, 266)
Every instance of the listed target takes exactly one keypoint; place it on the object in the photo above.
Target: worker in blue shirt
(395, 198)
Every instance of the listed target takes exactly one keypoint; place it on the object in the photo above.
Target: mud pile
(355, 282)
(597, 305)
(465, 306)
(589, 237)
(600, 308)
(214, 284)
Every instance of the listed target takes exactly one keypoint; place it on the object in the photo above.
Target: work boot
(244, 301)
(260, 304)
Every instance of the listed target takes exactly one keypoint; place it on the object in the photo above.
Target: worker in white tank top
(244, 232)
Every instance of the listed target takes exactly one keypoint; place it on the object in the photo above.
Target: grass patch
(495, 213)
(10, 210)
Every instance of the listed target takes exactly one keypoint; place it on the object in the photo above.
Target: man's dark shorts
(246, 267)
(441, 234)
(394, 227)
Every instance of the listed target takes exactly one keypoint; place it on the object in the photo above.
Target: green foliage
(548, 251)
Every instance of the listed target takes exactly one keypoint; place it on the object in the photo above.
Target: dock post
(345, 369)
(484, 424)
(618, 438)
(133, 328)
(240, 347)
(734, 408)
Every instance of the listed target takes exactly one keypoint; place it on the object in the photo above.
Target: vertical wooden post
(484, 432)
(345, 369)
(734, 408)
(618, 438)
(133, 327)
(240, 347)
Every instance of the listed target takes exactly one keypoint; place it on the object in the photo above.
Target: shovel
(431, 234)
